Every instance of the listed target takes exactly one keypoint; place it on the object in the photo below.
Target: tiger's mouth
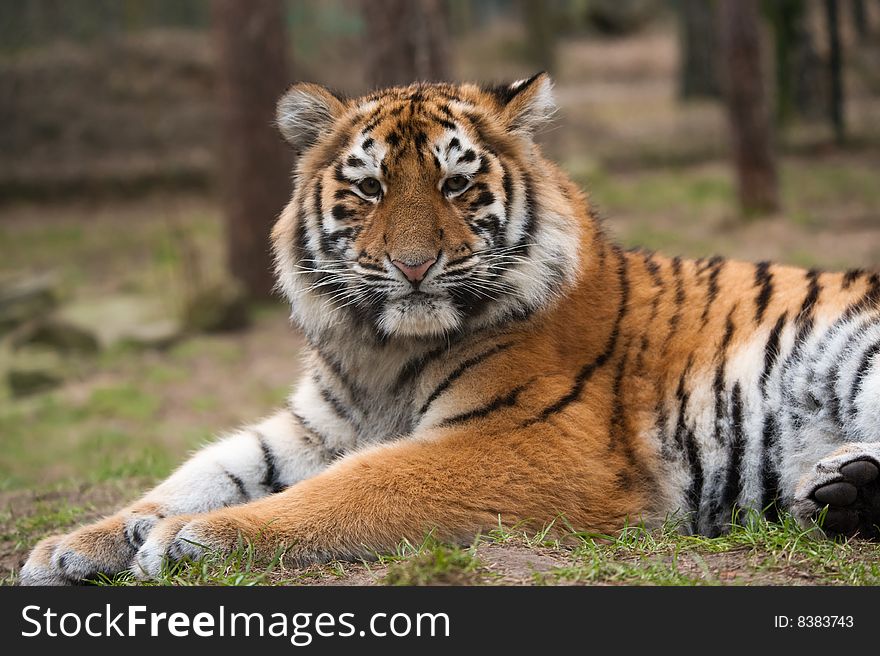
(420, 314)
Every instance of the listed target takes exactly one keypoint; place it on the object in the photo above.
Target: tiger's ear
(305, 112)
(526, 104)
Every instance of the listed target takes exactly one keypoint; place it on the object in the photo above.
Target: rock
(57, 334)
(620, 17)
(217, 308)
(159, 334)
(27, 382)
(31, 371)
(22, 300)
(129, 319)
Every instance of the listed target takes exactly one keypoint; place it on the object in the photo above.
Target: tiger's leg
(252, 463)
(453, 485)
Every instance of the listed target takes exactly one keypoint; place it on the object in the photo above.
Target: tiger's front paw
(182, 538)
(844, 488)
(105, 547)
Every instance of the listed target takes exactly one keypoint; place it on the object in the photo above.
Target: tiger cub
(478, 351)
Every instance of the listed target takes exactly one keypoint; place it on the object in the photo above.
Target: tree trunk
(540, 33)
(409, 41)
(860, 20)
(254, 168)
(698, 49)
(800, 85)
(835, 69)
(747, 107)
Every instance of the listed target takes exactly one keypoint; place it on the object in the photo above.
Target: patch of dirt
(737, 567)
(515, 564)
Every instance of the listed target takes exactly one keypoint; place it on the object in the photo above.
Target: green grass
(755, 551)
(49, 516)
(97, 439)
(239, 568)
(689, 192)
(432, 563)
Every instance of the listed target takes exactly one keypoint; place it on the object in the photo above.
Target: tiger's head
(423, 211)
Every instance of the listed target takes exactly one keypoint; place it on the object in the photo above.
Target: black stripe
(764, 280)
(769, 474)
(458, 372)
(587, 371)
(341, 213)
(771, 351)
(419, 142)
(720, 372)
(342, 194)
(498, 403)
(805, 318)
(485, 198)
(618, 434)
(679, 298)
(507, 183)
(415, 366)
(301, 249)
(339, 408)
(270, 480)
(871, 299)
(489, 224)
(714, 266)
(353, 390)
(370, 266)
(323, 237)
(851, 276)
(812, 296)
(687, 443)
(444, 122)
(238, 484)
(311, 435)
(838, 359)
(861, 373)
(653, 269)
(527, 237)
(733, 475)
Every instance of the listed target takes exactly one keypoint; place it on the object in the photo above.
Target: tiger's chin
(419, 315)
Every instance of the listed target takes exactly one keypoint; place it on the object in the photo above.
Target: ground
(655, 169)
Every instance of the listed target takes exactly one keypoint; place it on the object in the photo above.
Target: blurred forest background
(140, 172)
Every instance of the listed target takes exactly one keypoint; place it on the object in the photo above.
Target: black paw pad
(840, 493)
(860, 472)
(841, 520)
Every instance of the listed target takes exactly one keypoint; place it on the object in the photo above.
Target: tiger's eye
(455, 184)
(370, 187)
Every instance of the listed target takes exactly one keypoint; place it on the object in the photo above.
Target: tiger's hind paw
(847, 483)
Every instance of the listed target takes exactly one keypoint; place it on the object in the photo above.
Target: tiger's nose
(415, 273)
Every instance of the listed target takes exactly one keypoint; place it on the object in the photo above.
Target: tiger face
(413, 213)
